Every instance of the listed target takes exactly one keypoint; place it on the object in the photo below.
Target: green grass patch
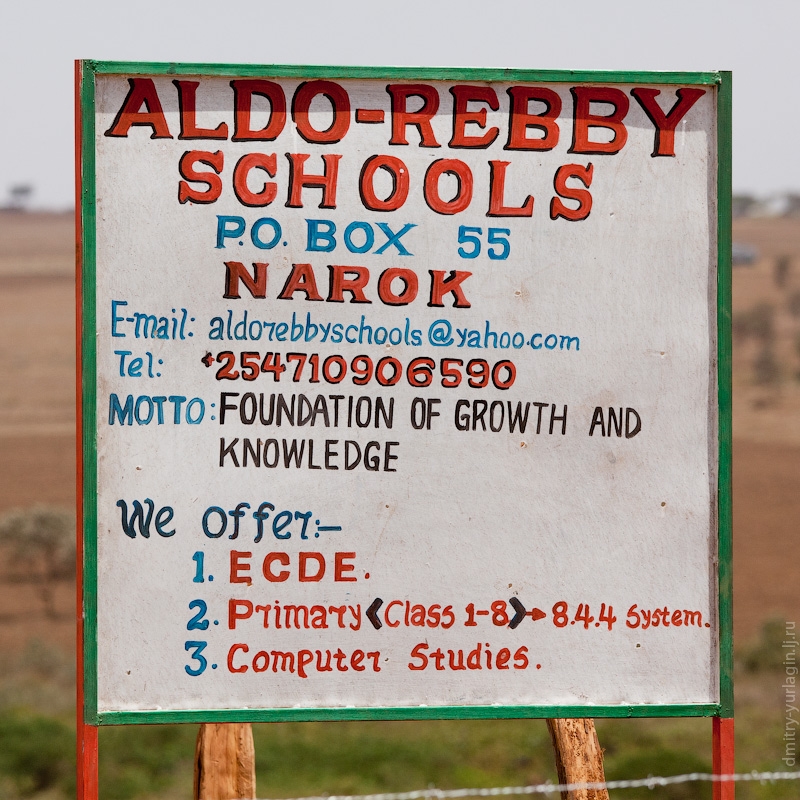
(37, 745)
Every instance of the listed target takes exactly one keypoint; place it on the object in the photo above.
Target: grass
(298, 759)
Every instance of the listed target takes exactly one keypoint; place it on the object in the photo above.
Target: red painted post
(87, 787)
(86, 735)
(722, 758)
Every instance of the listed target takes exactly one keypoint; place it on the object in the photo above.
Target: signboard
(405, 393)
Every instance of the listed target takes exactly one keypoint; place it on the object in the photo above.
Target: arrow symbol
(207, 359)
(521, 613)
(372, 613)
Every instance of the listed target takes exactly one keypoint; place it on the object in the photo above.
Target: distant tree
(40, 545)
(783, 266)
(793, 304)
(19, 196)
(766, 369)
(797, 350)
(762, 322)
(743, 205)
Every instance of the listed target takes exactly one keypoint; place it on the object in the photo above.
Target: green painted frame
(87, 378)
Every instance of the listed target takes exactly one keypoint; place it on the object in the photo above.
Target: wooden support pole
(579, 758)
(225, 762)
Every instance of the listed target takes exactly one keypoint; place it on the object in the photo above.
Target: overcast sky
(757, 39)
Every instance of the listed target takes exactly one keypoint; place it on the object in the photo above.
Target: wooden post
(579, 758)
(225, 762)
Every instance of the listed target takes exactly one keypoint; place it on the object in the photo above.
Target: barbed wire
(651, 782)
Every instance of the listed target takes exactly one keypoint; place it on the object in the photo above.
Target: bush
(758, 322)
(762, 322)
(146, 760)
(661, 761)
(766, 653)
(36, 753)
(40, 542)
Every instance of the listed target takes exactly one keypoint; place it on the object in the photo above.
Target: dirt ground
(37, 415)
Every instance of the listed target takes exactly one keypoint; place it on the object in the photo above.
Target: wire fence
(651, 782)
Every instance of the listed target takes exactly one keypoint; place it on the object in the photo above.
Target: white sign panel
(406, 392)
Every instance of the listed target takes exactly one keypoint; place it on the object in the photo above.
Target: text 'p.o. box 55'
(404, 392)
